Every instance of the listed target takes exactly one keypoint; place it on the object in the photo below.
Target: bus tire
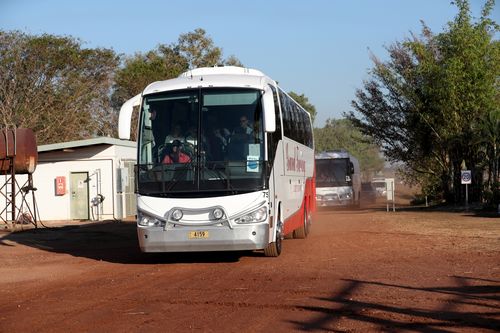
(303, 231)
(274, 248)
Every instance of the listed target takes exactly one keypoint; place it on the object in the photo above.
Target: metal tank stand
(17, 212)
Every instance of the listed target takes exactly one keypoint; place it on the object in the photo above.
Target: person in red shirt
(176, 155)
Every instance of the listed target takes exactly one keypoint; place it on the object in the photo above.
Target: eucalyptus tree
(426, 106)
(56, 87)
(191, 50)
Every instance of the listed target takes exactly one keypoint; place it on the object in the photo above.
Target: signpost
(466, 176)
(389, 188)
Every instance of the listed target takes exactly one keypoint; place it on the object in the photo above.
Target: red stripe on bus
(297, 219)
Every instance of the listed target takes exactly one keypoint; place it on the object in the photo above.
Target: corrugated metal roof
(85, 143)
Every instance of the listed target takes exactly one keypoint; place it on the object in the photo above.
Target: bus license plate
(198, 234)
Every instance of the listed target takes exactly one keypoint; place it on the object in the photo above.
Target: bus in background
(225, 162)
(380, 186)
(338, 181)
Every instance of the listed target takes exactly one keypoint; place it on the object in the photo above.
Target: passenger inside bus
(243, 132)
(191, 136)
(237, 148)
(216, 144)
(174, 154)
(175, 134)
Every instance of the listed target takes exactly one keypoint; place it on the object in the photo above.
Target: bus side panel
(297, 183)
(312, 198)
(284, 199)
(296, 220)
(277, 192)
(273, 203)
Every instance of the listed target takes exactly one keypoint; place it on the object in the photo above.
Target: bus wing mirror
(351, 167)
(269, 112)
(125, 117)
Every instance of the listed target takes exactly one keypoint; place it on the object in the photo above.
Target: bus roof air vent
(226, 70)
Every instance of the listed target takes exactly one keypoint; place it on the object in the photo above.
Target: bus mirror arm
(269, 112)
(125, 118)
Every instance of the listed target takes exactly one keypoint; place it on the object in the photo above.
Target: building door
(130, 199)
(79, 187)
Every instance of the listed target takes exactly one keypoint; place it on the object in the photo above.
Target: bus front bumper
(333, 202)
(203, 238)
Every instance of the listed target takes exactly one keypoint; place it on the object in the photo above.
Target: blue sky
(319, 48)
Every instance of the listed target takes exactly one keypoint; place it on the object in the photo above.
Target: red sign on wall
(60, 185)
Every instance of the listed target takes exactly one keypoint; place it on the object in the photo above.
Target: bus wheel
(303, 231)
(274, 249)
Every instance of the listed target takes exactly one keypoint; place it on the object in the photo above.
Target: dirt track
(357, 271)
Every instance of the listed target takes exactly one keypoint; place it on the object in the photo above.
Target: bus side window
(286, 114)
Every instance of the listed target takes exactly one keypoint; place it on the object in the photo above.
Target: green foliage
(49, 83)
(199, 49)
(55, 87)
(192, 50)
(488, 143)
(139, 70)
(341, 134)
(233, 61)
(430, 104)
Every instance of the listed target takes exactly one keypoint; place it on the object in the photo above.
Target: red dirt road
(357, 271)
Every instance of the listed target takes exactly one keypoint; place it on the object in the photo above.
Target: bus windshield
(195, 142)
(332, 172)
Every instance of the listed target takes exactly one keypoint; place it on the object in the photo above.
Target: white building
(85, 180)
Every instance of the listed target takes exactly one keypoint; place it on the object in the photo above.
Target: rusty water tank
(20, 144)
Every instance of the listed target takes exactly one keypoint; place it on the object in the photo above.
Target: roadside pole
(389, 189)
(466, 176)
(466, 196)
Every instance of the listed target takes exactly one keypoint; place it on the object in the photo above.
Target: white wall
(102, 158)
(53, 207)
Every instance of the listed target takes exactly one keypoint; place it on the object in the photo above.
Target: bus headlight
(177, 215)
(145, 220)
(346, 195)
(218, 213)
(259, 215)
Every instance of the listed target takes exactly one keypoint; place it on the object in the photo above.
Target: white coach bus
(338, 179)
(225, 162)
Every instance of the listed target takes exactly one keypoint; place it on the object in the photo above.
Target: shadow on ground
(475, 211)
(108, 241)
(481, 295)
